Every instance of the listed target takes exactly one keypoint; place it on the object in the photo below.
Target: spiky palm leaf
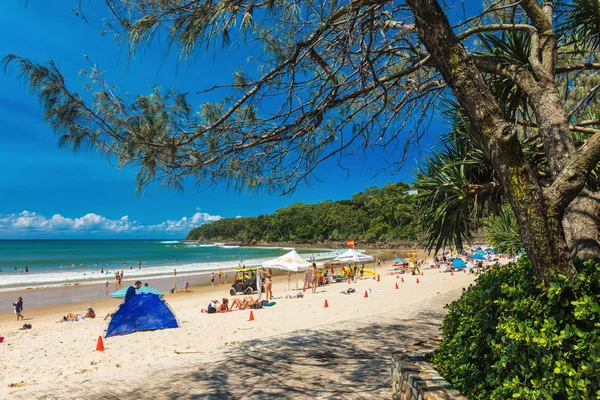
(581, 24)
(512, 47)
(456, 185)
(503, 232)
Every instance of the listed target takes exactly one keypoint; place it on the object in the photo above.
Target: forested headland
(377, 215)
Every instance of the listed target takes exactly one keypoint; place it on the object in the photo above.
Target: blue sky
(52, 193)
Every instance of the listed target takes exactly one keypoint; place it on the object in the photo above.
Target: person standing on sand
(212, 278)
(187, 285)
(220, 273)
(269, 284)
(131, 289)
(306, 279)
(18, 308)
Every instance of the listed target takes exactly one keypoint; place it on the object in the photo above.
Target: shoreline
(92, 276)
(90, 292)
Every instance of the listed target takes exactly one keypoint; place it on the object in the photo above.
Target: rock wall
(413, 378)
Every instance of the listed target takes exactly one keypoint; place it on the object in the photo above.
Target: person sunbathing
(244, 303)
(70, 317)
(223, 307)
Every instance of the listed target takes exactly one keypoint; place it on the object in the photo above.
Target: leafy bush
(508, 337)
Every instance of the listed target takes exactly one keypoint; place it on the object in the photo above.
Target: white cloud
(32, 223)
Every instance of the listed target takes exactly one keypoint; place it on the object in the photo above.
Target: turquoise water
(58, 262)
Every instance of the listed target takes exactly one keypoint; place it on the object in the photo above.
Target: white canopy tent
(291, 261)
(352, 255)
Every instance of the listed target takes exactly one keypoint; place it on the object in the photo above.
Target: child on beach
(18, 307)
(187, 285)
(212, 279)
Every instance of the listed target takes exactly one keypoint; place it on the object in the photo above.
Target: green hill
(376, 215)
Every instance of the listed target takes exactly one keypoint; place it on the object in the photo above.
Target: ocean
(63, 262)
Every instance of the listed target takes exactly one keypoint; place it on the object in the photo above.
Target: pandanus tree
(336, 78)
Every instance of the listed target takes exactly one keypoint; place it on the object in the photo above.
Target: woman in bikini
(223, 307)
(269, 284)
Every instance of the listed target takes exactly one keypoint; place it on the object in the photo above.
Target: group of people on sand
(244, 303)
(314, 277)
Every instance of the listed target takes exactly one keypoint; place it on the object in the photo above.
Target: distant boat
(219, 244)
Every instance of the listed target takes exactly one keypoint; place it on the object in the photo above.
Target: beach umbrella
(142, 290)
(458, 263)
(398, 260)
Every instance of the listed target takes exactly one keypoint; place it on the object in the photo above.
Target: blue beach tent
(458, 263)
(142, 312)
(398, 260)
(477, 257)
(142, 290)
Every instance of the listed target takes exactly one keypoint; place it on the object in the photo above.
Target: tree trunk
(542, 235)
(581, 225)
(580, 221)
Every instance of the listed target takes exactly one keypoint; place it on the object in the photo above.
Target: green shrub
(508, 337)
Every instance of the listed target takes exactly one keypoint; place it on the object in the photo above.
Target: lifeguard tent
(142, 312)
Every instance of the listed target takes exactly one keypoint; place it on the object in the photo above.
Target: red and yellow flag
(351, 243)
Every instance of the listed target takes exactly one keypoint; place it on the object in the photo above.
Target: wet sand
(81, 294)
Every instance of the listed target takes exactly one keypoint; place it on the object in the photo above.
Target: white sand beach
(52, 354)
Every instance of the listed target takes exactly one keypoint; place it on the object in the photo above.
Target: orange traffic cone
(100, 345)
(304, 289)
(366, 294)
(251, 316)
(422, 273)
(326, 304)
(465, 270)
(378, 277)
(418, 280)
(402, 279)
(451, 273)
(349, 281)
(397, 285)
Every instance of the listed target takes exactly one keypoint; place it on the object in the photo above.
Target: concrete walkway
(349, 360)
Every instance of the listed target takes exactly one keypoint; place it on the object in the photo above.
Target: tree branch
(581, 67)
(570, 182)
(495, 27)
(543, 47)
(518, 74)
